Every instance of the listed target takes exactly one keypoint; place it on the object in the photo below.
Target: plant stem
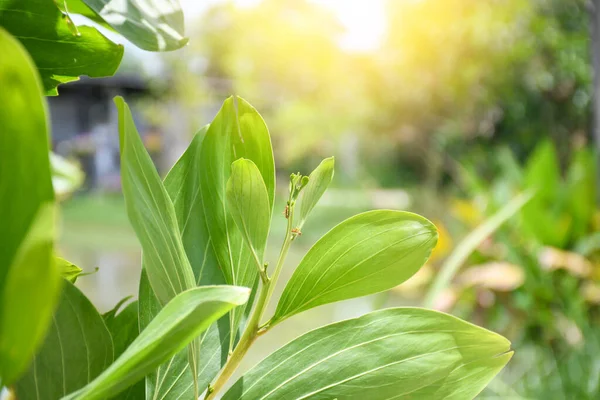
(252, 329)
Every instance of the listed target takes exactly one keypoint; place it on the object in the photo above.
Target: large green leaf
(180, 321)
(124, 328)
(76, 350)
(30, 294)
(152, 214)
(174, 379)
(237, 131)
(400, 353)
(60, 51)
(318, 182)
(248, 204)
(154, 25)
(26, 213)
(368, 253)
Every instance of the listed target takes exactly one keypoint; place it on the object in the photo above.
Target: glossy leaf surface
(152, 214)
(174, 327)
(365, 254)
(399, 353)
(318, 182)
(61, 51)
(154, 25)
(248, 203)
(76, 350)
(173, 379)
(237, 131)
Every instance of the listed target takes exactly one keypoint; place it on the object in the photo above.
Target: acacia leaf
(398, 353)
(180, 321)
(152, 214)
(365, 254)
(318, 181)
(61, 51)
(77, 348)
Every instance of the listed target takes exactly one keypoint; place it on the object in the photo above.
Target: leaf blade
(236, 131)
(365, 254)
(174, 379)
(26, 212)
(149, 24)
(380, 355)
(41, 28)
(248, 203)
(78, 348)
(318, 182)
(152, 214)
(175, 326)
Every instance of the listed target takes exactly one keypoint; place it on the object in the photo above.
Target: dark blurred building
(84, 124)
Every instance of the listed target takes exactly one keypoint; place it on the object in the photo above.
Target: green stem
(253, 329)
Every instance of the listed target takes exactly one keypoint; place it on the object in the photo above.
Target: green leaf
(174, 379)
(153, 25)
(248, 204)
(61, 51)
(237, 131)
(471, 242)
(183, 186)
(79, 7)
(76, 350)
(388, 354)
(176, 325)
(152, 214)
(365, 254)
(318, 182)
(30, 294)
(124, 328)
(26, 212)
(67, 269)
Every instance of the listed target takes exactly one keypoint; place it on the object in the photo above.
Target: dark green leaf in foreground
(365, 254)
(318, 182)
(60, 51)
(76, 349)
(30, 293)
(248, 204)
(124, 328)
(180, 321)
(237, 131)
(154, 25)
(29, 280)
(152, 214)
(399, 353)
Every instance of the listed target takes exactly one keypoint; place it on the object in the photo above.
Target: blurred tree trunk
(595, 53)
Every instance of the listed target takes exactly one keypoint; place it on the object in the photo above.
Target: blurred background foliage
(455, 108)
